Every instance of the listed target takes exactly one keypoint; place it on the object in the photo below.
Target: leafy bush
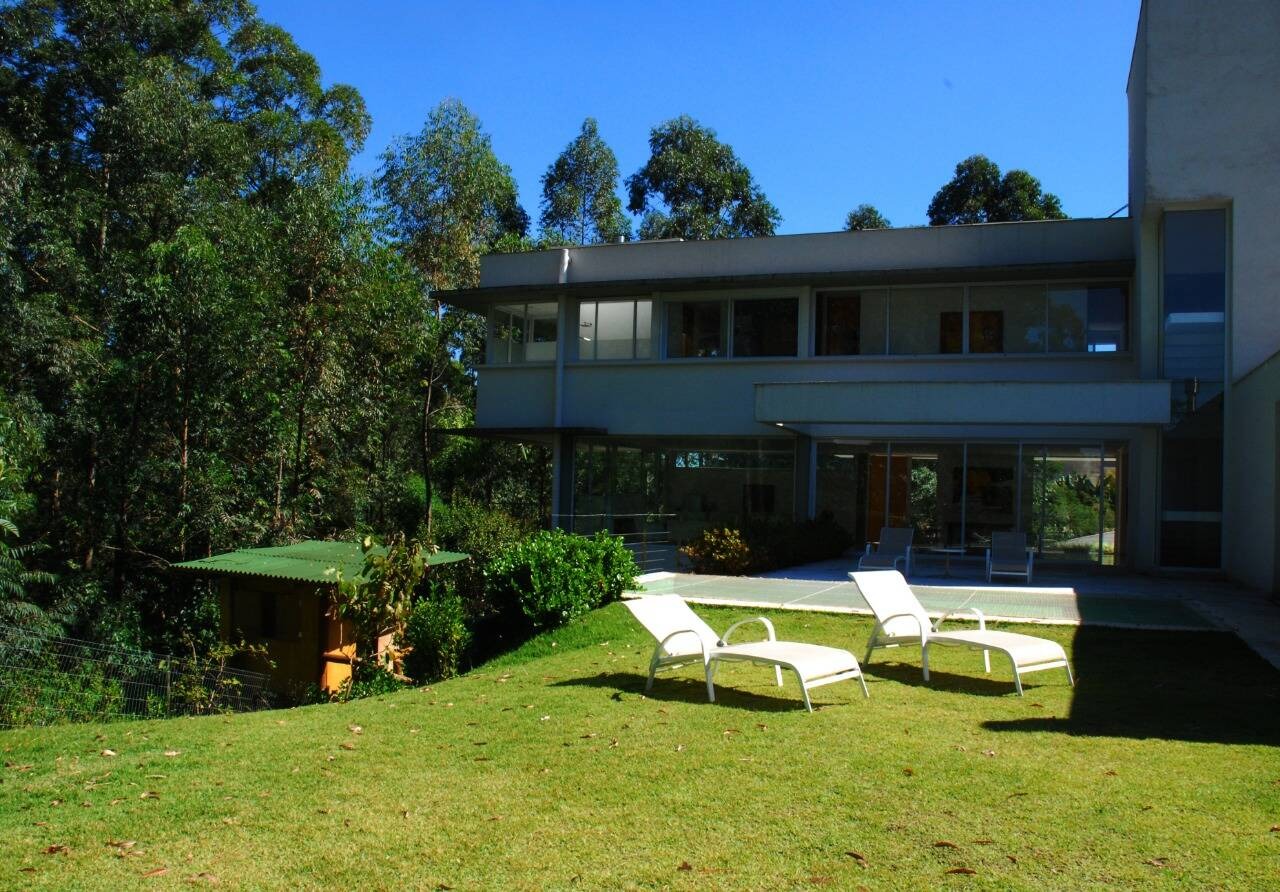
(555, 577)
(368, 679)
(479, 531)
(765, 545)
(721, 552)
(437, 635)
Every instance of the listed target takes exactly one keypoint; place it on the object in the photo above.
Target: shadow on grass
(1197, 686)
(977, 684)
(694, 690)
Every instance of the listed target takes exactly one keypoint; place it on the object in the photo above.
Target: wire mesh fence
(46, 681)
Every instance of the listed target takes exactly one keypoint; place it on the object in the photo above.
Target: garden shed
(282, 597)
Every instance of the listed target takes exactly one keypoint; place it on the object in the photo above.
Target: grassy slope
(510, 777)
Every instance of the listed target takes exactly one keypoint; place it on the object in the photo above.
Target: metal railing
(644, 535)
(46, 680)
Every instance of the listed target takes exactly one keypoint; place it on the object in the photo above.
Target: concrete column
(562, 482)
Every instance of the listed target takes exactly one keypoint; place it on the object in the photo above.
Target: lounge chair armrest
(701, 642)
(724, 639)
(982, 619)
(867, 550)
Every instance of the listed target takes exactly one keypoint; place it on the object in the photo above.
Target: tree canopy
(865, 216)
(580, 204)
(694, 187)
(978, 193)
(449, 196)
(213, 337)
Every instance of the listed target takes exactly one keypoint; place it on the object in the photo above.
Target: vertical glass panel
(696, 328)
(850, 322)
(587, 330)
(1114, 470)
(1194, 351)
(765, 327)
(1065, 484)
(926, 320)
(843, 488)
(1068, 318)
(925, 490)
(615, 329)
(540, 332)
(991, 492)
(1108, 318)
(644, 329)
(1007, 319)
(1195, 276)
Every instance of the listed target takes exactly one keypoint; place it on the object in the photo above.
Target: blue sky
(829, 104)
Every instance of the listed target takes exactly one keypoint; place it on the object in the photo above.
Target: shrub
(479, 531)
(763, 545)
(368, 679)
(437, 635)
(719, 551)
(555, 576)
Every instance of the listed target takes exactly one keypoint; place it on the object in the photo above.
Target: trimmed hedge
(555, 577)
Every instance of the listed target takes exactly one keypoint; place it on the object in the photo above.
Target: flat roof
(312, 560)
(985, 251)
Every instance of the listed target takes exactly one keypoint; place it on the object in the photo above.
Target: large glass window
(1092, 318)
(523, 333)
(697, 328)
(1194, 357)
(850, 323)
(1067, 498)
(1007, 319)
(926, 320)
(614, 329)
(682, 486)
(765, 327)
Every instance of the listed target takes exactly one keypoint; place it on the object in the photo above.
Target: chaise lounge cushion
(1024, 650)
(811, 660)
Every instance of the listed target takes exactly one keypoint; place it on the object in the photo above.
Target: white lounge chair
(894, 548)
(683, 637)
(901, 620)
(1009, 556)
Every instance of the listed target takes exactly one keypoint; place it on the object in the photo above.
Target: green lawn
(548, 768)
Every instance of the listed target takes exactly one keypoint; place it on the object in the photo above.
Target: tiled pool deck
(1110, 600)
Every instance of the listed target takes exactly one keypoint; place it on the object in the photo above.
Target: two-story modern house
(1111, 387)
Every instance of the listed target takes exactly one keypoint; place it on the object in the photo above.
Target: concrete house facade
(1111, 387)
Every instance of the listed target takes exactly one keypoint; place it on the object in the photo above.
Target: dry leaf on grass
(203, 877)
(988, 752)
(355, 729)
(945, 844)
(1110, 772)
(172, 753)
(109, 753)
(962, 871)
(858, 857)
(909, 772)
(149, 794)
(156, 872)
(1012, 859)
(685, 865)
(347, 745)
(58, 849)
(680, 748)
(983, 842)
(820, 881)
(1157, 862)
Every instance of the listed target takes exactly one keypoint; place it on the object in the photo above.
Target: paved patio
(1126, 601)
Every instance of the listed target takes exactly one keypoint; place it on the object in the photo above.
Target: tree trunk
(428, 489)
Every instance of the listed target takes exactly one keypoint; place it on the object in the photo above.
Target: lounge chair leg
(1070, 678)
(804, 689)
(653, 668)
(777, 671)
(866, 695)
(986, 660)
(711, 688)
(1017, 679)
(924, 659)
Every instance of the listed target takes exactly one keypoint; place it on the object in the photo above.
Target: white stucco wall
(1252, 490)
(1210, 133)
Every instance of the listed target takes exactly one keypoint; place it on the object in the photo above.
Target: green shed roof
(309, 561)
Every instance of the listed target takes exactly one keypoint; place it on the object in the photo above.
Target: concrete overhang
(964, 402)
(1042, 249)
